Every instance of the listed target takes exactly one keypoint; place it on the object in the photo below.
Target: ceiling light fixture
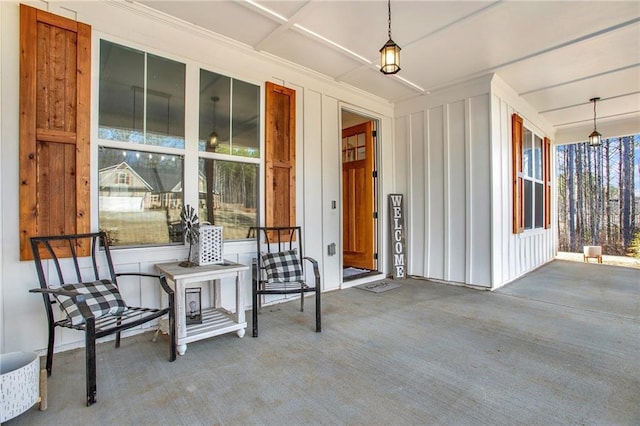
(390, 53)
(595, 138)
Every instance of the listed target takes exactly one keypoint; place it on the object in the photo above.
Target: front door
(358, 159)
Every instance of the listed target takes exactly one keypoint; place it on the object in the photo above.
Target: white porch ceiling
(555, 54)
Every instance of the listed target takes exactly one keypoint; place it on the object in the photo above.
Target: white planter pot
(19, 383)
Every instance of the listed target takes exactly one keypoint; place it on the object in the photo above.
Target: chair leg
(172, 332)
(52, 334)
(254, 308)
(318, 312)
(90, 343)
(302, 301)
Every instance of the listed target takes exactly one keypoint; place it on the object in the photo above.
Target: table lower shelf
(214, 322)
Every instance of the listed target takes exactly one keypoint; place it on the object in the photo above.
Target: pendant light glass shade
(595, 138)
(213, 137)
(390, 52)
(390, 58)
(213, 140)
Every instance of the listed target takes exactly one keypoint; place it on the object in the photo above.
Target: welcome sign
(396, 218)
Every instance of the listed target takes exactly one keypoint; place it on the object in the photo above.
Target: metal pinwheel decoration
(190, 230)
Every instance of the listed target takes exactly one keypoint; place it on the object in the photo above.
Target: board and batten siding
(445, 142)
(515, 254)
(453, 156)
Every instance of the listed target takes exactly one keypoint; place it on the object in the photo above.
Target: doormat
(351, 272)
(378, 287)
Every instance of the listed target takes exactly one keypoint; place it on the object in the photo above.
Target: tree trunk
(571, 196)
(607, 193)
(626, 196)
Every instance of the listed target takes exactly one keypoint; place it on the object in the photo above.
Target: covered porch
(557, 346)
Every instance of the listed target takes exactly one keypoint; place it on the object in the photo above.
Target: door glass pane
(140, 197)
(228, 196)
(361, 153)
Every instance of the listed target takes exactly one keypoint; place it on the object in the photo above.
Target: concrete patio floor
(558, 346)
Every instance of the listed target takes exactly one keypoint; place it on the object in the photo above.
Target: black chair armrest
(163, 281)
(316, 271)
(56, 292)
(78, 298)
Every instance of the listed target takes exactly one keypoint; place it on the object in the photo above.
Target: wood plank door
(358, 222)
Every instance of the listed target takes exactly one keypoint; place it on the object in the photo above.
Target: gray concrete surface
(559, 346)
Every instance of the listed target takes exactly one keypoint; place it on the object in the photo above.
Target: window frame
(231, 157)
(519, 177)
(190, 154)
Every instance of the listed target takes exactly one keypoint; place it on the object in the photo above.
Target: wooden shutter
(547, 183)
(55, 90)
(280, 156)
(517, 130)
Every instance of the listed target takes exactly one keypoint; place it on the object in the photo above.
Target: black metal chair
(87, 290)
(279, 268)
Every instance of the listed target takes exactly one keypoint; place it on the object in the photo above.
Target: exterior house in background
(450, 152)
(122, 189)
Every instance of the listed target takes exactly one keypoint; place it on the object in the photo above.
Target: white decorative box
(209, 247)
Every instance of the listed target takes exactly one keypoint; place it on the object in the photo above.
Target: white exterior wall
(22, 318)
(515, 254)
(453, 156)
(443, 162)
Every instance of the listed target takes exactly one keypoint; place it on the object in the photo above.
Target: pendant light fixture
(213, 137)
(390, 53)
(595, 138)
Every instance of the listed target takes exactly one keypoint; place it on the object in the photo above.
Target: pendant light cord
(595, 128)
(389, 4)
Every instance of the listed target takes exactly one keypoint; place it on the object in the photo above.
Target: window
(229, 150)
(141, 146)
(228, 195)
(123, 178)
(140, 197)
(533, 205)
(531, 178)
(141, 97)
(229, 116)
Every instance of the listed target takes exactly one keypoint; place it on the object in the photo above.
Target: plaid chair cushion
(282, 266)
(102, 297)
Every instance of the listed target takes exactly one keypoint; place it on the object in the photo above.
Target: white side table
(215, 320)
